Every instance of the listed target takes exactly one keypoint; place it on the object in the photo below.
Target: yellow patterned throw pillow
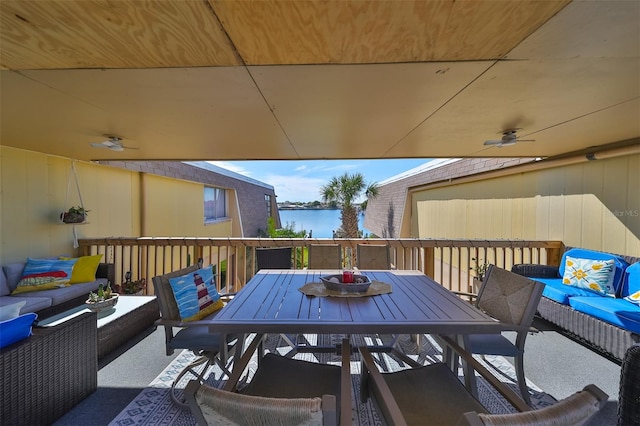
(594, 275)
(196, 294)
(84, 271)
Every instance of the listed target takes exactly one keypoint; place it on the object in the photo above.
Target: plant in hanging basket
(76, 214)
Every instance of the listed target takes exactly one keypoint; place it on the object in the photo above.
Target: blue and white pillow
(44, 274)
(594, 275)
(196, 294)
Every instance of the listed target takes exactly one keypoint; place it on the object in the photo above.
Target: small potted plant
(137, 287)
(104, 299)
(480, 269)
(77, 214)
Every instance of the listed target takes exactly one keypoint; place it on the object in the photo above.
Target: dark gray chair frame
(273, 258)
(289, 381)
(395, 397)
(211, 348)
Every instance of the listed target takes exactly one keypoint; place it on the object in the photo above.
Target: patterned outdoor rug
(153, 405)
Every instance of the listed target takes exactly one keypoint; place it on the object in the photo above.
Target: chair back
(164, 293)
(325, 256)
(373, 256)
(273, 258)
(212, 406)
(575, 409)
(509, 297)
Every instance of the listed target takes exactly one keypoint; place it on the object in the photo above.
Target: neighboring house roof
(250, 192)
(384, 213)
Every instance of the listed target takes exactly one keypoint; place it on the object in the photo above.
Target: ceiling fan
(508, 138)
(114, 143)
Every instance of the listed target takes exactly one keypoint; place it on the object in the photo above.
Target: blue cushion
(196, 338)
(16, 329)
(618, 312)
(555, 290)
(631, 284)
(620, 263)
(491, 344)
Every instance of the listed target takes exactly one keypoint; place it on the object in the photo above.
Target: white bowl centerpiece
(360, 283)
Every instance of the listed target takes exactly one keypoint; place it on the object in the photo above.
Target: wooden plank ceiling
(270, 79)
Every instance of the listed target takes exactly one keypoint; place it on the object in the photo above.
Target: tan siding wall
(175, 208)
(33, 195)
(594, 204)
(33, 188)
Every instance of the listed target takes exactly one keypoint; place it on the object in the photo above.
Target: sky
(302, 180)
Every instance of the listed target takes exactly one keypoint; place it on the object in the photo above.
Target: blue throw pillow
(196, 294)
(16, 329)
(594, 275)
(45, 274)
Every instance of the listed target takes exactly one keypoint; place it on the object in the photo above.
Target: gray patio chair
(325, 256)
(511, 299)
(433, 394)
(282, 391)
(273, 258)
(373, 256)
(211, 348)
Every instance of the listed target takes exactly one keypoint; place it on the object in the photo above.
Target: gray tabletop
(272, 303)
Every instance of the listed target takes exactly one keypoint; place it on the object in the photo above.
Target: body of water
(320, 223)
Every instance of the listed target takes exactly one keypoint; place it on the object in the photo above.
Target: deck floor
(556, 364)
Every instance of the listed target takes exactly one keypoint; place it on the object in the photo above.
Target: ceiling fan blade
(99, 145)
(494, 142)
(525, 140)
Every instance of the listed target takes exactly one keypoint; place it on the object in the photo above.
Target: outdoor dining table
(271, 302)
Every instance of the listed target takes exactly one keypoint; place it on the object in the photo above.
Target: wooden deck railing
(450, 262)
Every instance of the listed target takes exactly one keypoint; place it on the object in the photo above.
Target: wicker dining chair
(511, 299)
(629, 394)
(373, 256)
(433, 394)
(325, 256)
(282, 391)
(211, 348)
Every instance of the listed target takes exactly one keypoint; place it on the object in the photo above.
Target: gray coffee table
(130, 316)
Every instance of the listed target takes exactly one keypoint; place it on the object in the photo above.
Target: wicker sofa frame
(607, 339)
(48, 373)
(629, 394)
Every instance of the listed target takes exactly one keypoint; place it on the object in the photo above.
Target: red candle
(347, 277)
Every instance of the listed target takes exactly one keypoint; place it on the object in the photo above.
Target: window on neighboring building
(267, 200)
(215, 203)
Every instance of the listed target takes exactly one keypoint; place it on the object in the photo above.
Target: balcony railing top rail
(455, 263)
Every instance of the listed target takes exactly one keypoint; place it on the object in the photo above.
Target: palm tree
(345, 190)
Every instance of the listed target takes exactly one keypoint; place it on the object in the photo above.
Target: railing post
(429, 262)
(554, 255)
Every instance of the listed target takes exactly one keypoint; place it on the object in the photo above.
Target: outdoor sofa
(607, 320)
(50, 302)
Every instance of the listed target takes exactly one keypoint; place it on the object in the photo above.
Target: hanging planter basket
(72, 217)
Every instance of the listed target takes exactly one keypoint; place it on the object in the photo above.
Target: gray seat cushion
(274, 379)
(34, 304)
(431, 392)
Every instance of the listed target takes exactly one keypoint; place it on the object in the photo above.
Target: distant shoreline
(308, 208)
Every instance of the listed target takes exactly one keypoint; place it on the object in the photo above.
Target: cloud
(234, 167)
(296, 188)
